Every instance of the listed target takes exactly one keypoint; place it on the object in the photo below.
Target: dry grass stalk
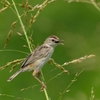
(66, 90)
(19, 33)
(7, 3)
(79, 60)
(58, 65)
(31, 42)
(92, 94)
(3, 9)
(8, 37)
(40, 8)
(67, 63)
(10, 33)
(15, 98)
(13, 24)
(14, 63)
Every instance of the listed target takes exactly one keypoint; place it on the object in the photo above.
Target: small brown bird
(36, 60)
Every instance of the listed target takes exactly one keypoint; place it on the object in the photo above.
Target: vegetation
(73, 71)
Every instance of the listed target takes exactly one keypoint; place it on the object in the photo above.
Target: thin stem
(22, 25)
(19, 17)
(86, 1)
(70, 84)
(95, 5)
(12, 50)
(46, 94)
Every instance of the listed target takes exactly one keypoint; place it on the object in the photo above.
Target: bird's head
(53, 41)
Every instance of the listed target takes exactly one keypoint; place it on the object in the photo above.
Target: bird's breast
(38, 64)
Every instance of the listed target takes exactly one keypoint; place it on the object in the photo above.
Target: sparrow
(36, 60)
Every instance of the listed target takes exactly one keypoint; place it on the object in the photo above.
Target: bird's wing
(38, 53)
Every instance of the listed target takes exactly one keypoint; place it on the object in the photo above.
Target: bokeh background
(78, 24)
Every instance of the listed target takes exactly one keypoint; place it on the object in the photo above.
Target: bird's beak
(61, 42)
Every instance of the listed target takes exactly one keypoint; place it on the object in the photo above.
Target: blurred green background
(78, 24)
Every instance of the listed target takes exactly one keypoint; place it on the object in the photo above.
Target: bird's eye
(53, 40)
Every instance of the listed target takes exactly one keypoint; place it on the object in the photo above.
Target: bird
(36, 60)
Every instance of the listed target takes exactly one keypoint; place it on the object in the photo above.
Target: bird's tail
(14, 75)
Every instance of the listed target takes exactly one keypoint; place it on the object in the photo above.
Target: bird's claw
(43, 87)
